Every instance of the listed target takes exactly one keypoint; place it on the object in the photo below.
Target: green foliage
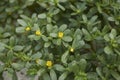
(60, 39)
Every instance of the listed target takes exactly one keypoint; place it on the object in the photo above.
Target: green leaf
(7, 34)
(77, 43)
(61, 7)
(113, 34)
(67, 32)
(41, 72)
(111, 19)
(105, 29)
(18, 48)
(98, 70)
(20, 29)
(49, 20)
(116, 75)
(22, 22)
(67, 38)
(84, 18)
(88, 36)
(108, 50)
(36, 55)
(62, 27)
(83, 64)
(35, 27)
(53, 75)
(2, 47)
(99, 7)
(56, 11)
(65, 44)
(25, 17)
(118, 39)
(58, 41)
(10, 70)
(53, 34)
(78, 32)
(73, 67)
(12, 41)
(27, 65)
(63, 76)
(44, 38)
(59, 67)
(93, 19)
(106, 37)
(42, 16)
(42, 62)
(32, 71)
(46, 77)
(17, 66)
(117, 51)
(47, 44)
(34, 37)
(10, 55)
(65, 57)
(49, 28)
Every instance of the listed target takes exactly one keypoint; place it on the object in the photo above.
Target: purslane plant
(60, 39)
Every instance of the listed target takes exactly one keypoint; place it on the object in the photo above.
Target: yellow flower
(71, 49)
(38, 33)
(37, 61)
(60, 34)
(27, 29)
(49, 63)
(78, 11)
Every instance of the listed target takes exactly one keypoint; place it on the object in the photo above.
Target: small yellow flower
(38, 33)
(27, 29)
(37, 61)
(78, 11)
(71, 49)
(49, 63)
(60, 34)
